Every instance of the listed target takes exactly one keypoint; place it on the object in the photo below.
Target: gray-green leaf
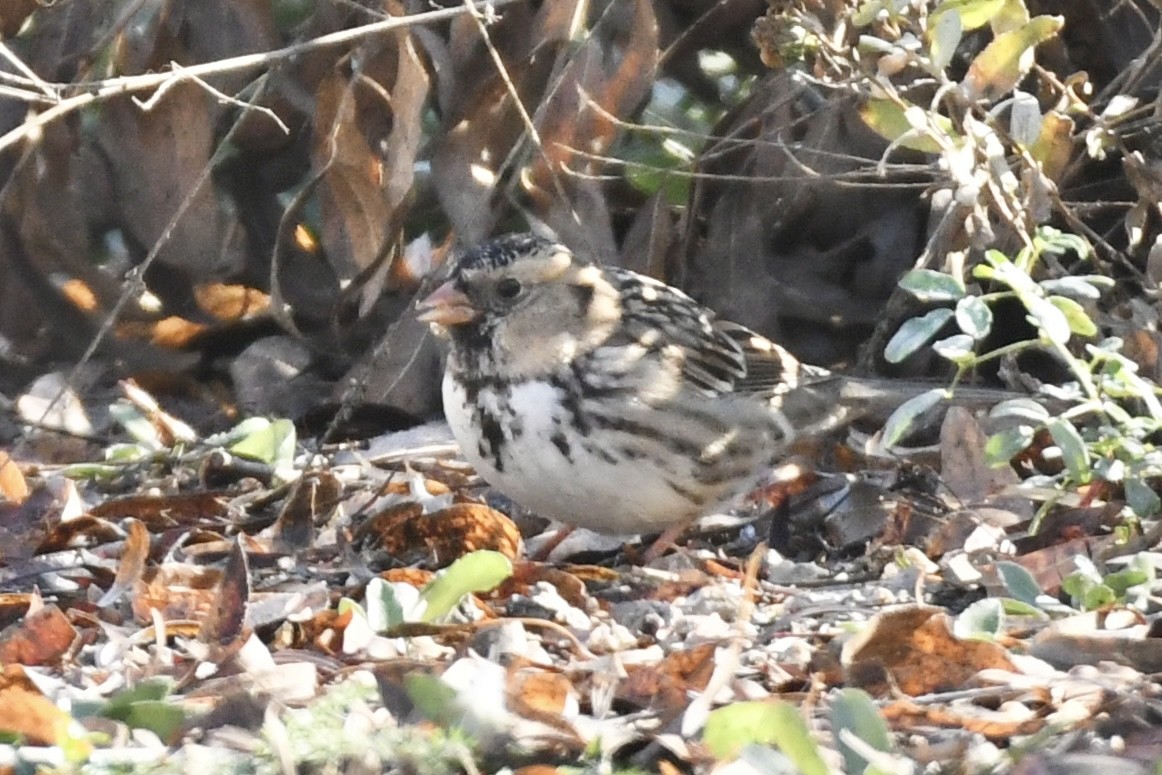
(1002, 447)
(855, 710)
(1074, 453)
(901, 422)
(1047, 317)
(929, 285)
(956, 348)
(1018, 581)
(974, 317)
(1079, 320)
(915, 333)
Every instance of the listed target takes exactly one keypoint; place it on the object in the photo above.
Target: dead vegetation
(220, 210)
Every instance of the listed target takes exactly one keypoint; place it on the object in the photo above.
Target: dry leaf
(913, 648)
(42, 638)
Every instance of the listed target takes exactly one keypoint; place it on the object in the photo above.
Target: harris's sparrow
(609, 400)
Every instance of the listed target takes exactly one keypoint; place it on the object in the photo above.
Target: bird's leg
(664, 542)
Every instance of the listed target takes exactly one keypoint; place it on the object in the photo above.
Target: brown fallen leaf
(165, 511)
(913, 648)
(13, 486)
(965, 469)
(995, 725)
(311, 499)
(665, 687)
(177, 591)
(226, 626)
(444, 535)
(132, 565)
(24, 526)
(42, 638)
(27, 713)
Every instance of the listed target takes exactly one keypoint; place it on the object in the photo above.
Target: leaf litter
(254, 601)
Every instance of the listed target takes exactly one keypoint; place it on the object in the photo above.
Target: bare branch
(99, 90)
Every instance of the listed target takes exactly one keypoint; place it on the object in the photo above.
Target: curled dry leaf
(132, 564)
(13, 487)
(226, 627)
(605, 79)
(527, 574)
(913, 648)
(312, 498)
(176, 591)
(997, 725)
(41, 639)
(165, 511)
(666, 687)
(417, 577)
(445, 534)
(541, 694)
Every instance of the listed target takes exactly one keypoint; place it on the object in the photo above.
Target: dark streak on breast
(491, 438)
(571, 403)
(562, 444)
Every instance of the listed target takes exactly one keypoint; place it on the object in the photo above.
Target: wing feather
(716, 356)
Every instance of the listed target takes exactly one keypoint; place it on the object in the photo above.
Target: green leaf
(384, 610)
(1075, 314)
(866, 12)
(956, 348)
(915, 333)
(1021, 608)
(652, 167)
(731, 727)
(164, 719)
(139, 427)
(1122, 580)
(1142, 498)
(1018, 582)
(146, 706)
(974, 317)
(984, 619)
(854, 710)
(149, 689)
(1021, 408)
(890, 120)
(1074, 452)
(1077, 287)
(1098, 596)
(1002, 447)
(479, 571)
(945, 32)
(1056, 242)
(1005, 61)
(928, 285)
(129, 453)
(272, 443)
(1048, 318)
(972, 13)
(434, 699)
(1012, 15)
(901, 421)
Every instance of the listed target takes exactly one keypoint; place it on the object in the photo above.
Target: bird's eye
(508, 288)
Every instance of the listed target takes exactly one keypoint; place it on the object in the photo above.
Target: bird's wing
(715, 356)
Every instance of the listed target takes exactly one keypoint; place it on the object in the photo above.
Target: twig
(135, 278)
(183, 77)
(100, 90)
(32, 77)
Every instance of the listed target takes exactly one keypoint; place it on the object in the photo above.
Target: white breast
(585, 488)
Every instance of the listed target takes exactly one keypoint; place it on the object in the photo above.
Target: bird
(609, 400)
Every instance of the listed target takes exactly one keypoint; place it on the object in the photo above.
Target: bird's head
(524, 305)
